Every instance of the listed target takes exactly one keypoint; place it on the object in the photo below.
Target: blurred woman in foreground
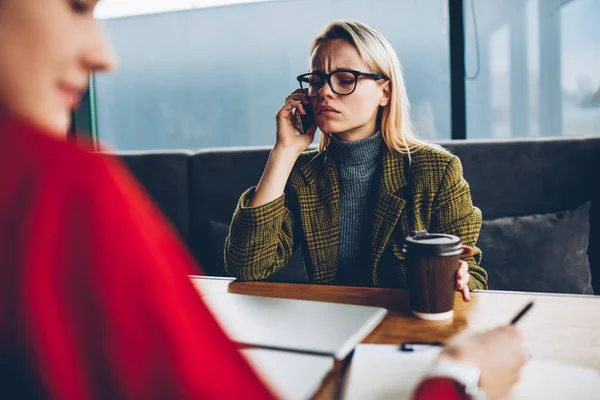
(96, 302)
(94, 296)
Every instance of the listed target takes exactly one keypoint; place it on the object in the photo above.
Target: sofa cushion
(217, 233)
(165, 178)
(538, 253)
(520, 177)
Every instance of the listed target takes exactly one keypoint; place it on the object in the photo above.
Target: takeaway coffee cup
(432, 261)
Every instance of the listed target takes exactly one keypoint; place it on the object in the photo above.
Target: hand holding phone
(304, 122)
(288, 118)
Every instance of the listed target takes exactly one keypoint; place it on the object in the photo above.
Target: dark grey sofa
(540, 201)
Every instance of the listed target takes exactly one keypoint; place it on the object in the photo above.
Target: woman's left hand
(462, 278)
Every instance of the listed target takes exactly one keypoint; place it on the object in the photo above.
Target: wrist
(288, 152)
(284, 158)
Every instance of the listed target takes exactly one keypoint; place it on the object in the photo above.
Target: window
(532, 68)
(216, 76)
(213, 73)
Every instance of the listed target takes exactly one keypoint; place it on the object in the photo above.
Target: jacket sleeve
(261, 239)
(454, 213)
(439, 388)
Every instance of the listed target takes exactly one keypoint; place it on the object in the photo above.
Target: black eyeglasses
(341, 81)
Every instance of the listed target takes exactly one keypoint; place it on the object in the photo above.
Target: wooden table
(563, 328)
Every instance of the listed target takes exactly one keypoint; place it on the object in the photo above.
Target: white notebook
(291, 376)
(314, 327)
(379, 372)
(382, 372)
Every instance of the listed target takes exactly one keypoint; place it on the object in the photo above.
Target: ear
(386, 94)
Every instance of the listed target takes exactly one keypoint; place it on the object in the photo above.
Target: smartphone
(307, 121)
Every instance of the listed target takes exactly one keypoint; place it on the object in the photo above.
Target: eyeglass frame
(326, 79)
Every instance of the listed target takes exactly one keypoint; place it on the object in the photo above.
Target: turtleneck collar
(358, 158)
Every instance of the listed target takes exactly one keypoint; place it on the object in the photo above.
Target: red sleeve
(440, 388)
(109, 311)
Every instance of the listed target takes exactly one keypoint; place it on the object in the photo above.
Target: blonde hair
(394, 118)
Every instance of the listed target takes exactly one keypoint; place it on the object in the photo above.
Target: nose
(326, 91)
(99, 55)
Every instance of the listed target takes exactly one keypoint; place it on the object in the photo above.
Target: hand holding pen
(499, 354)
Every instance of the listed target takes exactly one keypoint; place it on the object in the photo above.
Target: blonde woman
(351, 203)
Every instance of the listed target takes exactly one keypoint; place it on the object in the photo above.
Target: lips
(71, 93)
(326, 110)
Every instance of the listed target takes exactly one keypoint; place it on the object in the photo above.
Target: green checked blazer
(427, 193)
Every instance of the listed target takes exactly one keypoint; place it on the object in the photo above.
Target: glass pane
(580, 62)
(216, 76)
(125, 8)
(539, 68)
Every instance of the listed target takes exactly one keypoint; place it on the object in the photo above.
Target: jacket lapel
(389, 205)
(319, 202)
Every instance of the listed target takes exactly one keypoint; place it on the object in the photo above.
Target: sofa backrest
(507, 179)
(165, 177)
(217, 180)
(521, 177)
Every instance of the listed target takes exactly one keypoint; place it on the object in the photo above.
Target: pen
(521, 313)
(419, 346)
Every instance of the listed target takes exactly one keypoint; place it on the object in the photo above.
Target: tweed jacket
(427, 192)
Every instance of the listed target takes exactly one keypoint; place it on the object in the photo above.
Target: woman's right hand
(288, 136)
(498, 353)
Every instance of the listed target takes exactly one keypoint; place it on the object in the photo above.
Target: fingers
(512, 339)
(468, 251)
(300, 108)
(466, 295)
(289, 106)
(509, 331)
(311, 131)
(462, 275)
(299, 91)
(463, 270)
(299, 97)
(461, 283)
(462, 279)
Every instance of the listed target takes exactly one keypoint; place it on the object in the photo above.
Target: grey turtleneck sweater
(358, 168)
